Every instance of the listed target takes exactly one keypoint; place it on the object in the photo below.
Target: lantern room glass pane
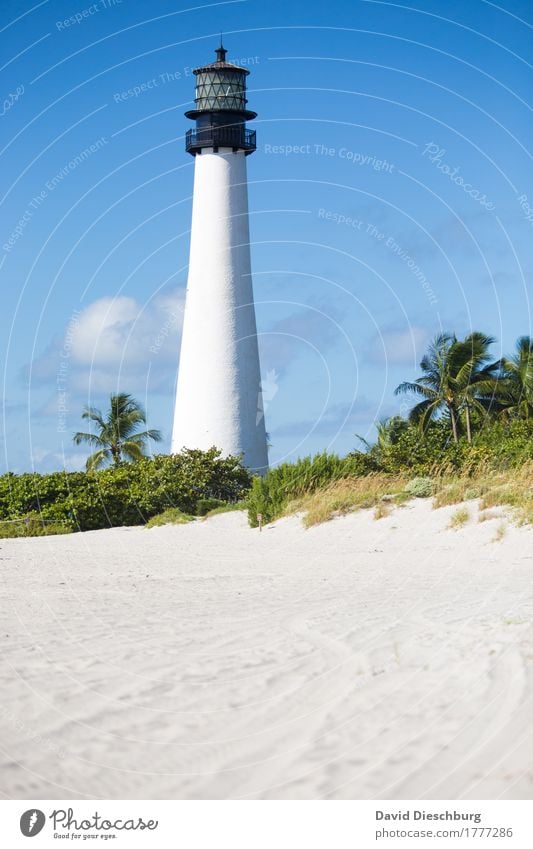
(220, 89)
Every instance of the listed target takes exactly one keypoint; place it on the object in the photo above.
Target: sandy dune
(358, 659)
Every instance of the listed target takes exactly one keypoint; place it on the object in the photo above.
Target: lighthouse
(218, 396)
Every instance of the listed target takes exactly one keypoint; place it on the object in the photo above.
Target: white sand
(358, 659)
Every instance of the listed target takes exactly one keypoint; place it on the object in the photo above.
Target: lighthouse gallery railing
(238, 138)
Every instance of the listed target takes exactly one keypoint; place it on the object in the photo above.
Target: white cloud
(115, 342)
(102, 333)
(115, 331)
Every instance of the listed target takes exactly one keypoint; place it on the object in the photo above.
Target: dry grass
(350, 494)
(459, 518)
(501, 530)
(382, 509)
(488, 515)
(512, 488)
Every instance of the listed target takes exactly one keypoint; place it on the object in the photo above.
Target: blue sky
(390, 198)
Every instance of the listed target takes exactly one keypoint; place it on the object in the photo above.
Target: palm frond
(89, 438)
(415, 388)
(97, 459)
(94, 415)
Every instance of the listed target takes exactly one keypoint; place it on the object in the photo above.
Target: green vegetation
(419, 487)
(172, 516)
(116, 438)
(457, 378)
(471, 436)
(33, 526)
(383, 491)
(468, 436)
(516, 396)
(205, 505)
(271, 494)
(128, 494)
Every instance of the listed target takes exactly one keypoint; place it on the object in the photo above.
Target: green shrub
(205, 505)
(172, 516)
(128, 494)
(419, 487)
(503, 445)
(33, 525)
(497, 444)
(270, 494)
(420, 453)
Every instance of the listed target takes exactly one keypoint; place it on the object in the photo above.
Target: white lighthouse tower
(218, 398)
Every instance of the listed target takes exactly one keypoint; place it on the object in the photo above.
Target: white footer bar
(268, 824)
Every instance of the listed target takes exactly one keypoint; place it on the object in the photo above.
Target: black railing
(238, 138)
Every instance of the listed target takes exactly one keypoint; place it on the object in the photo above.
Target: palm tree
(517, 381)
(435, 386)
(477, 380)
(455, 377)
(116, 438)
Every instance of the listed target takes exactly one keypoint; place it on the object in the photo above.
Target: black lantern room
(220, 108)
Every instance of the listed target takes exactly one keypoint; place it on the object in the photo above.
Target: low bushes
(270, 495)
(129, 494)
(501, 445)
(33, 526)
(172, 516)
(205, 505)
(496, 468)
(419, 487)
